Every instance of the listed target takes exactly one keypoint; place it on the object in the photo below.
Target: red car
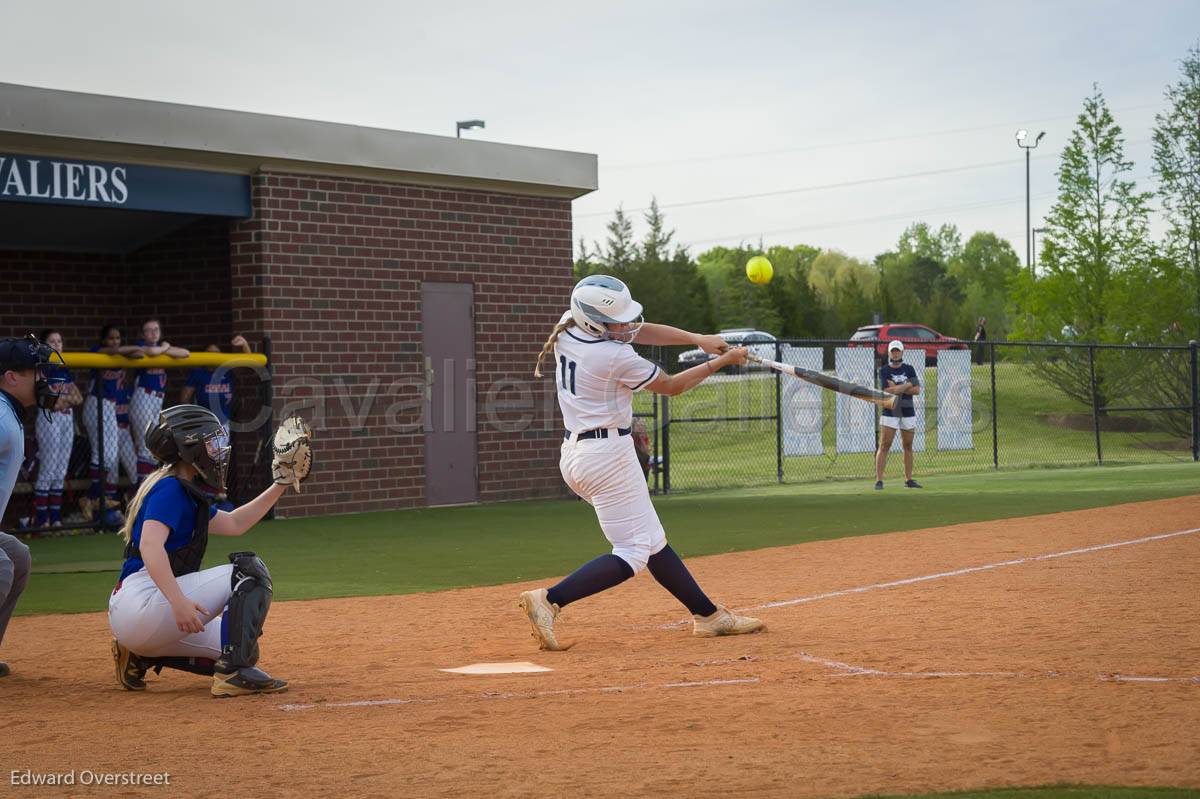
(914, 336)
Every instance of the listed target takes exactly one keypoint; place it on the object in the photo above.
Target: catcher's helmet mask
(194, 435)
(598, 301)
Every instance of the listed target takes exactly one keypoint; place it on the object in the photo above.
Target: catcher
(167, 613)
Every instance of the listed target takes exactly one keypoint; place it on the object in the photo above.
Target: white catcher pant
(141, 618)
(55, 436)
(605, 473)
(144, 408)
(110, 435)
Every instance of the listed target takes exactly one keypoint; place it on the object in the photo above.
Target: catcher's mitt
(292, 452)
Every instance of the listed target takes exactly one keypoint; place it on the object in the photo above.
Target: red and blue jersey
(123, 406)
(113, 380)
(151, 379)
(57, 372)
(212, 392)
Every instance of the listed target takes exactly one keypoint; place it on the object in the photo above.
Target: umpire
(21, 385)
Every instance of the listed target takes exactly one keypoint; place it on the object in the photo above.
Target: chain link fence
(83, 462)
(998, 405)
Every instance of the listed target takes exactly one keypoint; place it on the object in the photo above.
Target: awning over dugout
(101, 206)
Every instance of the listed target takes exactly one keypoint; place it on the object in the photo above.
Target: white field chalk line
(862, 589)
(860, 671)
(613, 689)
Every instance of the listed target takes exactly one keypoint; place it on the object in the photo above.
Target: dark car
(914, 336)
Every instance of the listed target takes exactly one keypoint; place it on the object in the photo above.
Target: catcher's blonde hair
(136, 504)
(549, 345)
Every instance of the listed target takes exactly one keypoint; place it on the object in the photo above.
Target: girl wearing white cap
(897, 377)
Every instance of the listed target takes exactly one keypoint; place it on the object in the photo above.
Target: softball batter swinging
(167, 613)
(597, 375)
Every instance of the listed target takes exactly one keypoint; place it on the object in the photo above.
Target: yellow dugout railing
(96, 360)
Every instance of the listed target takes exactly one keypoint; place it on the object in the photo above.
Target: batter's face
(54, 340)
(151, 332)
(623, 331)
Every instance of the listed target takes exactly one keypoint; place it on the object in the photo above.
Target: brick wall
(332, 270)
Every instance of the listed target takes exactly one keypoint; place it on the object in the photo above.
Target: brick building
(406, 281)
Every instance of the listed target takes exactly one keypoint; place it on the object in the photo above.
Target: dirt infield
(1083, 667)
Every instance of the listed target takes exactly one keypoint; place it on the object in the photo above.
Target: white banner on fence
(916, 359)
(855, 418)
(802, 404)
(954, 400)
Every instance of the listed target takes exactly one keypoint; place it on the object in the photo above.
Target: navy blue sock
(592, 577)
(672, 575)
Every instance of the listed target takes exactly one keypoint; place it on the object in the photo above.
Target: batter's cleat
(4, 670)
(542, 613)
(911, 484)
(131, 669)
(725, 622)
(878, 485)
(244, 682)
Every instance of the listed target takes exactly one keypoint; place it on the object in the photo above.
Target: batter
(597, 373)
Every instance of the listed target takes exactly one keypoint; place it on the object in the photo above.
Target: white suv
(756, 341)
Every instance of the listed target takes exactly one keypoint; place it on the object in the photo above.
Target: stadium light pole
(1021, 135)
(1036, 231)
(467, 124)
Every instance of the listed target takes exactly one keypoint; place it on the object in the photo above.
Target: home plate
(522, 667)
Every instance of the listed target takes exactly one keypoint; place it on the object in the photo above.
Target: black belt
(599, 432)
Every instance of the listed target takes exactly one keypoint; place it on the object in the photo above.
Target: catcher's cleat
(542, 613)
(131, 669)
(725, 622)
(244, 682)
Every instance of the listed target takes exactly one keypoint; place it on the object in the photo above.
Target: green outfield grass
(441, 548)
(1058, 792)
(716, 454)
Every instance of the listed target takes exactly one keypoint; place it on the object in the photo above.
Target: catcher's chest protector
(186, 559)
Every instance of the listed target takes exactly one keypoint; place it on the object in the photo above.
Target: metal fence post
(654, 400)
(1192, 345)
(268, 399)
(666, 440)
(995, 440)
(102, 502)
(778, 418)
(1095, 402)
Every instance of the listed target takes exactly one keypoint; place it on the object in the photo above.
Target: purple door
(448, 341)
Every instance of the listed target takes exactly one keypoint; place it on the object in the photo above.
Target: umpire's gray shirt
(12, 450)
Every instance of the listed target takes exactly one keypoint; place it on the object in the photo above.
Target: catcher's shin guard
(248, 608)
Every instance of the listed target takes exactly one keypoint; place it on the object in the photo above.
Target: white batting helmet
(601, 300)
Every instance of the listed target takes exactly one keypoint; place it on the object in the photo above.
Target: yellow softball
(759, 270)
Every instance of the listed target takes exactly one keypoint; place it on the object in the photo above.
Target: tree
(983, 271)
(915, 280)
(1097, 241)
(1177, 168)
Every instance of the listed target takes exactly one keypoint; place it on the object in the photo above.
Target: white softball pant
(605, 473)
(125, 454)
(144, 408)
(141, 617)
(55, 436)
(110, 435)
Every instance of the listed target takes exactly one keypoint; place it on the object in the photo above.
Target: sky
(855, 118)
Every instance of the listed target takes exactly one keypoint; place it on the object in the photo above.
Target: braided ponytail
(549, 345)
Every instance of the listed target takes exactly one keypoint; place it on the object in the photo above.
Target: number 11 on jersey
(564, 367)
